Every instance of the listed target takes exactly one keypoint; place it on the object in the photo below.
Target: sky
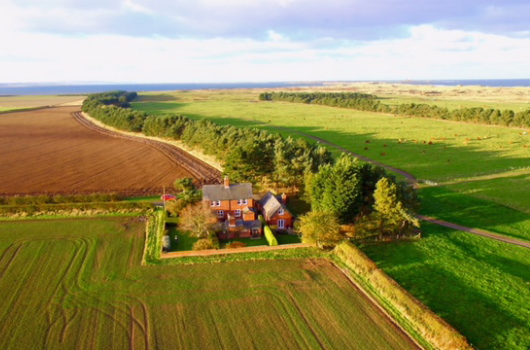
(180, 41)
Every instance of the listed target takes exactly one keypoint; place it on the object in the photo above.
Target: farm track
(414, 182)
(204, 173)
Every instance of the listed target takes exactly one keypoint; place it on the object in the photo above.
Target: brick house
(235, 207)
(275, 212)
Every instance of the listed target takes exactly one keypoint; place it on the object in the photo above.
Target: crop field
(48, 151)
(78, 284)
(430, 149)
(8, 103)
(478, 285)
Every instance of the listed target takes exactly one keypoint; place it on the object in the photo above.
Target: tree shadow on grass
(478, 316)
(471, 211)
(479, 310)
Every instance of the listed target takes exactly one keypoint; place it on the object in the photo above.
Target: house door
(255, 233)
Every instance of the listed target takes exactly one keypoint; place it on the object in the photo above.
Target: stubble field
(48, 151)
(9, 103)
(78, 284)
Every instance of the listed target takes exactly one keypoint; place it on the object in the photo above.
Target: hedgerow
(370, 103)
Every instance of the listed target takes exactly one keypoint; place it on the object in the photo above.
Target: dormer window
(281, 211)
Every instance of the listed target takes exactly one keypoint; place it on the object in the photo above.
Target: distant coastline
(58, 89)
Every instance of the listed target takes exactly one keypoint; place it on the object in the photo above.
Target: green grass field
(478, 285)
(78, 284)
(458, 150)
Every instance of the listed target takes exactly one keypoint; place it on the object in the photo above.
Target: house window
(237, 213)
(213, 203)
(281, 212)
(242, 201)
(281, 223)
(220, 214)
(218, 203)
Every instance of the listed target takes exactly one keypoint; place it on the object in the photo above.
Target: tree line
(371, 103)
(248, 154)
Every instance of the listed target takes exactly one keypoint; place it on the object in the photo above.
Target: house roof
(271, 204)
(220, 192)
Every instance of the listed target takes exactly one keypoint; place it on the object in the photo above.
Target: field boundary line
(227, 251)
(377, 303)
(476, 231)
(174, 143)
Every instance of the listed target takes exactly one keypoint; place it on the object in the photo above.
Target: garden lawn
(184, 242)
(78, 284)
(442, 203)
(478, 285)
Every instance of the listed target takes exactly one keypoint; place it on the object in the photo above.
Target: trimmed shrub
(203, 244)
(269, 236)
(213, 237)
(166, 243)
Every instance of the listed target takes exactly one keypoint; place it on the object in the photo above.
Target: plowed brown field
(48, 151)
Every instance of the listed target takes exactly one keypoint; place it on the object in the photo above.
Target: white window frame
(218, 203)
(242, 201)
(237, 213)
(281, 223)
(220, 214)
(213, 203)
(281, 211)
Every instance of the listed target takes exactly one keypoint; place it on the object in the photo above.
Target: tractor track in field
(204, 173)
(414, 183)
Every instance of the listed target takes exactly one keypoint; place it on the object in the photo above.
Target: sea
(79, 89)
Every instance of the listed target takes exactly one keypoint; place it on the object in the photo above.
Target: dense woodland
(371, 103)
(348, 190)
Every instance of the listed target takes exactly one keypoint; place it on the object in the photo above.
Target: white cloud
(427, 53)
(130, 5)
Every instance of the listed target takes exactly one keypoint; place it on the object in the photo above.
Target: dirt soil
(48, 151)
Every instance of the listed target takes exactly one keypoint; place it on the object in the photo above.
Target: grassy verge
(429, 328)
(459, 208)
(478, 285)
(299, 253)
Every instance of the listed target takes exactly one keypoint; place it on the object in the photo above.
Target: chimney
(284, 198)
(227, 181)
